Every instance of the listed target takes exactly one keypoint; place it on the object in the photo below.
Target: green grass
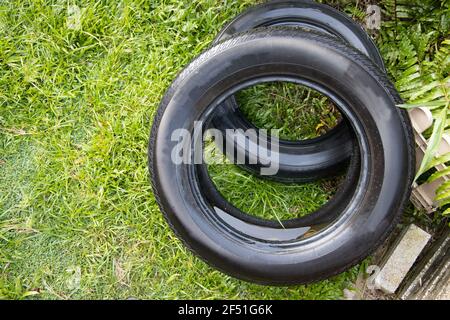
(296, 111)
(78, 219)
(268, 199)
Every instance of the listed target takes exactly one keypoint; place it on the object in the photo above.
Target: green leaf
(407, 79)
(443, 186)
(29, 293)
(415, 68)
(443, 195)
(438, 161)
(411, 88)
(434, 141)
(434, 94)
(409, 63)
(446, 212)
(444, 202)
(438, 174)
(432, 104)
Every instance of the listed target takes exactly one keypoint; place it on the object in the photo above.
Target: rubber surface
(286, 256)
(307, 160)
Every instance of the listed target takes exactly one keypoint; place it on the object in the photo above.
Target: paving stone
(430, 279)
(401, 259)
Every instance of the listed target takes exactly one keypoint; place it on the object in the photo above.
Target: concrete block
(401, 259)
(430, 277)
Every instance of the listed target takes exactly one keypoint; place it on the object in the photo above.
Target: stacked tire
(312, 45)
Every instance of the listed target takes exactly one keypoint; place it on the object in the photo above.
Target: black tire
(291, 255)
(306, 14)
(312, 159)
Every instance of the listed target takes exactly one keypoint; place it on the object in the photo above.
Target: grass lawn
(78, 219)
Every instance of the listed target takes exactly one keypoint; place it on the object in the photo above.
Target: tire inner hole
(298, 113)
